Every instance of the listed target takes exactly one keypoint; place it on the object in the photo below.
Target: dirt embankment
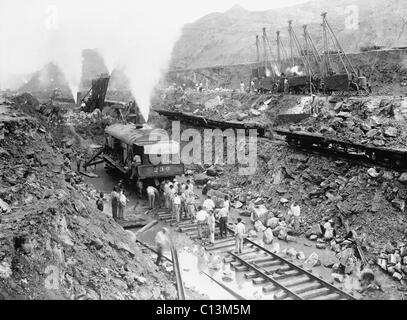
(54, 243)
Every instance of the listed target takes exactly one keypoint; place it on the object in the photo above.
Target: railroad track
(278, 277)
(282, 278)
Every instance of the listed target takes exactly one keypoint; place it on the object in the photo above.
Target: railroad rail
(388, 157)
(278, 276)
(283, 278)
(175, 263)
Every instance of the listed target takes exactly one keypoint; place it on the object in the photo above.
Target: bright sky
(28, 24)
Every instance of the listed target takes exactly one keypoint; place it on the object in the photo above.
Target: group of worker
(119, 201)
(179, 198)
(208, 215)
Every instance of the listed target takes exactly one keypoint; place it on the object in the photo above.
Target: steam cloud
(129, 34)
(295, 71)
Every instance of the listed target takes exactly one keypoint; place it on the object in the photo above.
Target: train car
(129, 149)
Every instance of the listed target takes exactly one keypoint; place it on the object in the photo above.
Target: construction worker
(226, 203)
(161, 240)
(201, 218)
(99, 202)
(223, 220)
(239, 235)
(177, 206)
(190, 185)
(208, 204)
(286, 86)
(151, 193)
(139, 187)
(252, 86)
(190, 202)
(211, 228)
(171, 195)
(114, 196)
(167, 194)
(122, 204)
(241, 86)
(134, 164)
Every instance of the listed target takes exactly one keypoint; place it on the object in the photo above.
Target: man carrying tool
(161, 240)
(239, 235)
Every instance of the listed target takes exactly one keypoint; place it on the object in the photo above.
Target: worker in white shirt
(175, 184)
(190, 185)
(171, 195)
(177, 206)
(239, 235)
(208, 204)
(167, 194)
(226, 202)
(211, 227)
(201, 218)
(151, 193)
(190, 202)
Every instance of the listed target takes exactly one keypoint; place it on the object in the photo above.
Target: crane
(350, 80)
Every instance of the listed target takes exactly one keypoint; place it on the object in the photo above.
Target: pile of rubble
(393, 259)
(225, 105)
(371, 120)
(54, 243)
(325, 188)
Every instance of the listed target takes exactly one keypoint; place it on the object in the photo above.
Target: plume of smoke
(276, 70)
(295, 71)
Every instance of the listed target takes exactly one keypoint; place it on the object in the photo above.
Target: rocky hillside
(54, 243)
(229, 37)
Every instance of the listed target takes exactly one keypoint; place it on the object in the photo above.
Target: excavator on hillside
(94, 98)
(342, 79)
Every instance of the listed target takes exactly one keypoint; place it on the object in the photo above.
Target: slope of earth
(229, 37)
(54, 243)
